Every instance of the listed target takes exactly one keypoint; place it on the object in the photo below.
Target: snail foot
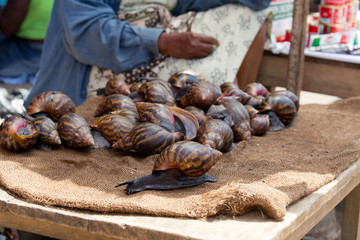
(275, 123)
(165, 180)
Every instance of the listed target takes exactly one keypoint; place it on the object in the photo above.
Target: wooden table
(300, 218)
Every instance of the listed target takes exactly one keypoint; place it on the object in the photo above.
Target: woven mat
(267, 172)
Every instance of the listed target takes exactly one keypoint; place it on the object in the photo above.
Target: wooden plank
(320, 75)
(296, 55)
(71, 224)
(351, 224)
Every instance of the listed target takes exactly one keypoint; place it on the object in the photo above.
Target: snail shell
(198, 113)
(74, 131)
(251, 111)
(283, 106)
(259, 124)
(201, 94)
(180, 165)
(240, 116)
(216, 134)
(116, 86)
(154, 112)
(256, 89)
(240, 95)
(53, 103)
(114, 102)
(48, 133)
(228, 85)
(113, 126)
(290, 95)
(18, 134)
(157, 91)
(147, 138)
(183, 78)
(129, 114)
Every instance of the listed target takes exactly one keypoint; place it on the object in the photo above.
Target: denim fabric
(83, 33)
(18, 56)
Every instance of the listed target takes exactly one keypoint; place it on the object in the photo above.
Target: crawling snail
(216, 134)
(51, 103)
(74, 131)
(114, 102)
(240, 117)
(180, 165)
(18, 134)
(147, 138)
(113, 126)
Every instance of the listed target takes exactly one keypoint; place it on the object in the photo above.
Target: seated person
(97, 37)
(23, 25)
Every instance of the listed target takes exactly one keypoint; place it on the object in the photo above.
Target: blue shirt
(84, 33)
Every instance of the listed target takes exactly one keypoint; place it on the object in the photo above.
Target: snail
(131, 115)
(18, 134)
(240, 118)
(116, 86)
(201, 94)
(48, 133)
(228, 85)
(51, 103)
(180, 119)
(113, 126)
(183, 78)
(281, 111)
(251, 111)
(114, 102)
(237, 93)
(259, 124)
(216, 134)
(180, 165)
(198, 113)
(147, 138)
(256, 89)
(290, 95)
(74, 131)
(157, 91)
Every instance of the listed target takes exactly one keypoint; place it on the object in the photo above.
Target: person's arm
(12, 16)
(184, 6)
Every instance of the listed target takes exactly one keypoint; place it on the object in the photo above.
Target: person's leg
(250, 66)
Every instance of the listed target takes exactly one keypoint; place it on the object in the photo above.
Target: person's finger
(208, 39)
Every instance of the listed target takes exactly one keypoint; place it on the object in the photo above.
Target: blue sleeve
(184, 6)
(94, 36)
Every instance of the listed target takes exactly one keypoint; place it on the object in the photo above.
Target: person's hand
(186, 45)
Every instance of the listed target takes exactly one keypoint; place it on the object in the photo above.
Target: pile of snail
(188, 121)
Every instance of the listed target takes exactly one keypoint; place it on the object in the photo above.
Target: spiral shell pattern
(201, 94)
(283, 106)
(54, 103)
(191, 158)
(157, 92)
(116, 86)
(74, 131)
(113, 103)
(256, 89)
(47, 130)
(184, 77)
(18, 134)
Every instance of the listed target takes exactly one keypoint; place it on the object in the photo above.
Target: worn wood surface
(320, 75)
(72, 224)
(296, 55)
(351, 222)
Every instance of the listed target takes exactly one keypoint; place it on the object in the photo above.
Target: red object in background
(288, 36)
(280, 38)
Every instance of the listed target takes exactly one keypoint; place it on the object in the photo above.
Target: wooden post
(296, 54)
(351, 223)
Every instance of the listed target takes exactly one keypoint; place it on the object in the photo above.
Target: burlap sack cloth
(268, 172)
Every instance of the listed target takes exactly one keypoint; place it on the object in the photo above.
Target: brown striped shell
(240, 95)
(48, 133)
(157, 91)
(184, 77)
(116, 86)
(154, 112)
(185, 122)
(256, 89)
(259, 124)
(198, 113)
(113, 126)
(113, 103)
(216, 134)
(251, 111)
(201, 94)
(74, 131)
(18, 134)
(228, 85)
(53, 103)
(147, 138)
(290, 95)
(240, 117)
(191, 158)
(131, 115)
(283, 106)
